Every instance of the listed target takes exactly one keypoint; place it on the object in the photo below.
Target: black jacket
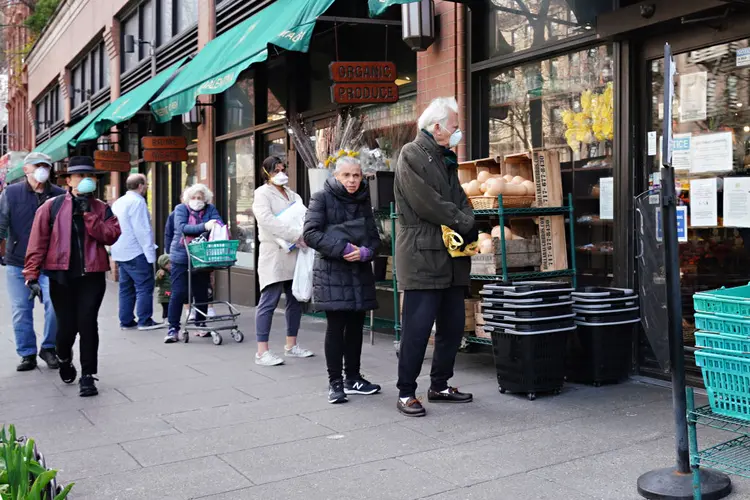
(339, 285)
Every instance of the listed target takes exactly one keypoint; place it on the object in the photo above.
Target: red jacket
(50, 249)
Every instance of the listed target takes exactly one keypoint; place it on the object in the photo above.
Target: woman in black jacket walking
(341, 227)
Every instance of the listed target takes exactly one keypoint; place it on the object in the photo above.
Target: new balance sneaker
(49, 357)
(68, 372)
(360, 386)
(297, 352)
(27, 364)
(87, 387)
(268, 359)
(336, 392)
(151, 325)
(172, 336)
(130, 326)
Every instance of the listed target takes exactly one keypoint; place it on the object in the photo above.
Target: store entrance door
(711, 123)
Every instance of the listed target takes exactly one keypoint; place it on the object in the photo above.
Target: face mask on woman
(86, 186)
(196, 205)
(280, 179)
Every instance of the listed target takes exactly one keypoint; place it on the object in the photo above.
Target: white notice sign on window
(737, 202)
(606, 198)
(704, 210)
(693, 96)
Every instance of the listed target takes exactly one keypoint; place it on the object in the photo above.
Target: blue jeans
(136, 291)
(269, 299)
(23, 313)
(200, 284)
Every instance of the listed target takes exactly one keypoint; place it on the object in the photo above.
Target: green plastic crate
(727, 380)
(735, 300)
(213, 253)
(723, 343)
(722, 323)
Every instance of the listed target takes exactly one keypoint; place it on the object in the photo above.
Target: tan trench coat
(274, 265)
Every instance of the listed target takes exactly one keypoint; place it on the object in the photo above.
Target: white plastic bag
(220, 232)
(292, 216)
(302, 283)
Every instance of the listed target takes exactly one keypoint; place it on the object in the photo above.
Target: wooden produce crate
(469, 308)
(520, 254)
(389, 269)
(479, 332)
(478, 318)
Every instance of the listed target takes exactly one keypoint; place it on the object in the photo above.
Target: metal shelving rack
(731, 457)
(392, 284)
(502, 213)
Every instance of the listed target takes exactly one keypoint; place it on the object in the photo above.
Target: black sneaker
(336, 392)
(360, 386)
(151, 325)
(130, 326)
(412, 408)
(49, 357)
(87, 387)
(68, 372)
(450, 395)
(27, 363)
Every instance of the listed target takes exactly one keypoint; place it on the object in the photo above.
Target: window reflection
(238, 156)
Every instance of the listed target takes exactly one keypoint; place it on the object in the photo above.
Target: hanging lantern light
(192, 117)
(418, 24)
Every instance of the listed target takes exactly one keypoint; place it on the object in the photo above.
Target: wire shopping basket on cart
(206, 256)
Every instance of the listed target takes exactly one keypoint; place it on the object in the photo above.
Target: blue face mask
(87, 186)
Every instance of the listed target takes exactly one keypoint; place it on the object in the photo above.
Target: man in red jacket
(67, 243)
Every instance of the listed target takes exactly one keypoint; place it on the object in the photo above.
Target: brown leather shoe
(452, 396)
(412, 408)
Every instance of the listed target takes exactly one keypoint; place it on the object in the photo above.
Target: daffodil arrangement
(331, 160)
(595, 121)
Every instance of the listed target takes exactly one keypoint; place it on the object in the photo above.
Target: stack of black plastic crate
(530, 323)
(600, 349)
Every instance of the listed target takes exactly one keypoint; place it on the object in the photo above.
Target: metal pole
(152, 44)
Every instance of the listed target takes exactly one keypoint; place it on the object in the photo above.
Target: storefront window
(238, 158)
(565, 104)
(237, 106)
(389, 127)
(516, 25)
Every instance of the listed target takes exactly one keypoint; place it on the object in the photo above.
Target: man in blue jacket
(18, 205)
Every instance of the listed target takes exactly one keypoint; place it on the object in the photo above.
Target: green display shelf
(529, 275)
(478, 340)
(706, 417)
(731, 457)
(525, 212)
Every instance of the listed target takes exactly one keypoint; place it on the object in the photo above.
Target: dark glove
(470, 237)
(82, 204)
(35, 290)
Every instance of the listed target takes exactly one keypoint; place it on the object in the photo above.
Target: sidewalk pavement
(200, 421)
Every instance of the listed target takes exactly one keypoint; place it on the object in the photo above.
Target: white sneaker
(211, 312)
(192, 316)
(297, 352)
(268, 359)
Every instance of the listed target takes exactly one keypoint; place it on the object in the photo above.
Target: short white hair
(346, 160)
(437, 113)
(195, 189)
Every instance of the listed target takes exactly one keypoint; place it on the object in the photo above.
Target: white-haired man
(135, 254)
(428, 196)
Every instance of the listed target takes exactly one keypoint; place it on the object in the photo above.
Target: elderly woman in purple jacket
(195, 216)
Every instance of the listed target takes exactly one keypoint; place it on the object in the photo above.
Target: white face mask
(280, 179)
(196, 205)
(41, 175)
(455, 138)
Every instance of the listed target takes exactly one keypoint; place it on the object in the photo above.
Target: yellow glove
(453, 242)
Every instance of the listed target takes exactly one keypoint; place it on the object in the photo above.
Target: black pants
(344, 343)
(77, 305)
(164, 310)
(422, 308)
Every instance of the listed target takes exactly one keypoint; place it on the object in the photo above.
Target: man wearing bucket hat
(18, 204)
(68, 242)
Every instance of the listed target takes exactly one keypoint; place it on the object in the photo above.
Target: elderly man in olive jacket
(428, 196)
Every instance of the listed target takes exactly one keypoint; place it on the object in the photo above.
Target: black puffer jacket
(339, 285)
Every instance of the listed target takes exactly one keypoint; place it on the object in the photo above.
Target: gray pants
(269, 299)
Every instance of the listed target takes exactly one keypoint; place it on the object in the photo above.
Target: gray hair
(134, 181)
(195, 189)
(437, 113)
(346, 160)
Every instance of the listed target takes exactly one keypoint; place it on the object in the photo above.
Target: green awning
(286, 23)
(57, 147)
(377, 7)
(13, 174)
(125, 108)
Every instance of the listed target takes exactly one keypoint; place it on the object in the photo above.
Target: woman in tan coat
(276, 264)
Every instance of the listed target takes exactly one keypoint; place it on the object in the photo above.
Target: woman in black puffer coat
(341, 227)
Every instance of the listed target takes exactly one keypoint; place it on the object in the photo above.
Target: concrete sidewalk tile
(13, 394)
(273, 389)
(51, 424)
(256, 411)
(381, 480)
(613, 397)
(223, 440)
(285, 461)
(360, 412)
(175, 387)
(518, 487)
(178, 481)
(292, 368)
(39, 406)
(75, 465)
(148, 376)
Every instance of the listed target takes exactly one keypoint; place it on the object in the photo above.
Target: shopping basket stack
(599, 350)
(529, 323)
(723, 320)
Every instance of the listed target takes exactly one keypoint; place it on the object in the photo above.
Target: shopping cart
(206, 257)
